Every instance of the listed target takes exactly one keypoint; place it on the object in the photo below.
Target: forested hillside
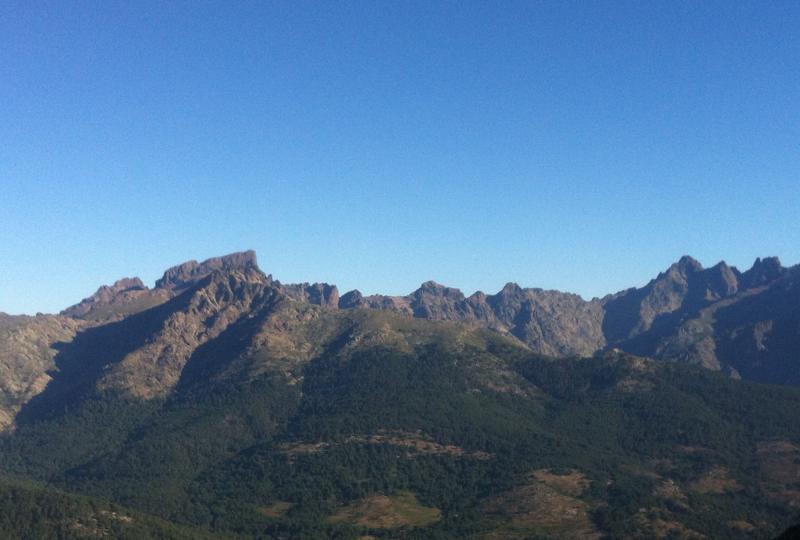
(417, 429)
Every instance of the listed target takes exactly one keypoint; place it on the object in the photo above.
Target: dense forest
(457, 433)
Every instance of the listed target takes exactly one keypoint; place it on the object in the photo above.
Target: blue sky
(582, 146)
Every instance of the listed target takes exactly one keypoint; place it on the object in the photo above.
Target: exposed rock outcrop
(550, 322)
(125, 297)
(184, 275)
(318, 294)
(200, 314)
(28, 346)
(680, 315)
(763, 272)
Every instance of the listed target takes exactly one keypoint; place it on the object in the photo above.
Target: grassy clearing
(717, 481)
(387, 512)
(547, 506)
(276, 509)
(572, 483)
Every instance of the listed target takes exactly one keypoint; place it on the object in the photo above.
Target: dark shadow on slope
(222, 353)
(623, 315)
(663, 327)
(82, 362)
(760, 334)
(213, 357)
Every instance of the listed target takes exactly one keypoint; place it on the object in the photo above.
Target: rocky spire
(763, 272)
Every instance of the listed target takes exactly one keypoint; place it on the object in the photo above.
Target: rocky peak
(686, 283)
(320, 294)
(763, 272)
(324, 294)
(685, 266)
(510, 290)
(432, 286)
(510, 294)
(122, 292)
(478, 296)
(126, 284)
(433, 289)
(107, 292)
(435, 301)
(190, 272)
(351, 299)
(721, 280)
(633, 312)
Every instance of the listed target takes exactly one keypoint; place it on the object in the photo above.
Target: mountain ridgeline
(222, 402)
(138, 340)
(743, 323)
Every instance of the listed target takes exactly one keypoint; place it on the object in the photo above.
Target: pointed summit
(510, 288)
(763, 271)
(431, 285)
(721, 281)
(687, 265)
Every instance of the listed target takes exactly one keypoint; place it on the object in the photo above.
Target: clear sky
(582, 146)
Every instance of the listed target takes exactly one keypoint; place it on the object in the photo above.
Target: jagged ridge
(745, 323)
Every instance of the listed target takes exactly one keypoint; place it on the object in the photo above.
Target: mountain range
(225, 402)
(746, 324)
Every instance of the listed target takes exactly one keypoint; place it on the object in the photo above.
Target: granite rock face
(683, 315)
(318, 294)
(763, 272)
(695, 315)
(28, 347)
(549, 322)
(125, 297)
(184, 275)
(153, 366)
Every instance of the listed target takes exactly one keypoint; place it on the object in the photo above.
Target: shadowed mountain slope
(28, 347)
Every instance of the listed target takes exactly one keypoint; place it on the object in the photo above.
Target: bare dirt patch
(572, 483)
(779, 461)
(741, 525)
(276, 509)
(668, 489)
(658, 524)
(301, 448)
(717, 480)
(413, 443)
(546, 505)
(380, 511)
